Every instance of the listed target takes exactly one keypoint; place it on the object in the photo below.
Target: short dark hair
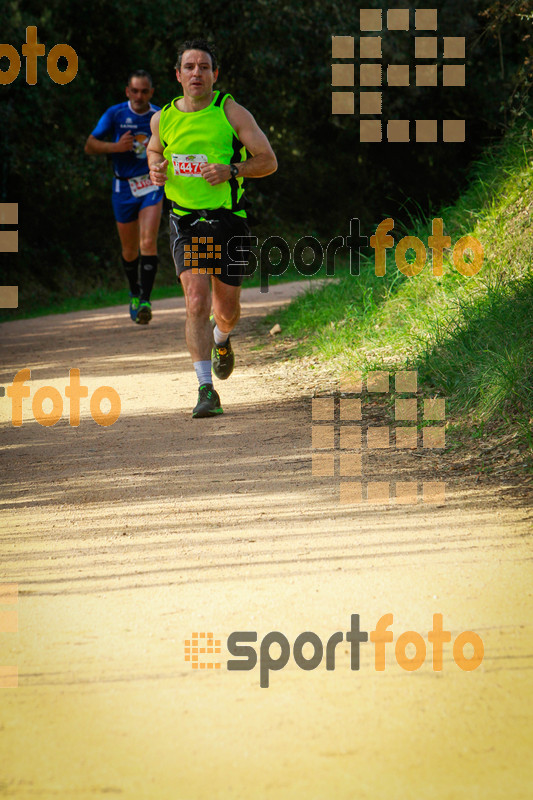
(197, 44)
(140, 73)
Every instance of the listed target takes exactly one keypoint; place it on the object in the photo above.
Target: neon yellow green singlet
(190, 138)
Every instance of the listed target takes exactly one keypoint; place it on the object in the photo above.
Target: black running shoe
(222, 360)
(208, 404)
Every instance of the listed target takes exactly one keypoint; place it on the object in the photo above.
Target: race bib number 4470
(188, 164)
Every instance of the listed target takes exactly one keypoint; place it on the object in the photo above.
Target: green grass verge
(469, 338)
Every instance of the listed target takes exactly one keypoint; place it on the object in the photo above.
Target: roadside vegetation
(471, 339)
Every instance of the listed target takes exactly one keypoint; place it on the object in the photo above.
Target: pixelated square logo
(9, 243)
(201, 255)
(200, 650)
(439, 61)
(342, 444)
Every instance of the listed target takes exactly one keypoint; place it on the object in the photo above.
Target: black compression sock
(131, 268)
(148, 271)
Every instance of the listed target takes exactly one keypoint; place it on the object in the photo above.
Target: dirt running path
(125, 540)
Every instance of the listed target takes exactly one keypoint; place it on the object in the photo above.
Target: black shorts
(203, 246)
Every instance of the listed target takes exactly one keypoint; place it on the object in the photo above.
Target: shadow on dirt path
(123, 540)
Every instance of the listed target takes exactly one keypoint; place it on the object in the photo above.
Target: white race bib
(141, 185)
(188, 164)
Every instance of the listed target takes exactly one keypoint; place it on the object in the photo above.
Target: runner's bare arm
(263, 161)
(96, 147)
(154, 152)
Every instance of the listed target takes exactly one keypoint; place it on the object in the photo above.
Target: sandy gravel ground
(125, 540)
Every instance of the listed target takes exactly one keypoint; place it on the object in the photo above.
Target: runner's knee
(228, 317)
(198, 304)
(130, 253)
(148, 243)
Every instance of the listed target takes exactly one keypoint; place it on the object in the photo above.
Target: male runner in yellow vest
(198, 151)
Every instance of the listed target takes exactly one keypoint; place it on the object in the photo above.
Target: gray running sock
(203, 372)
(220, 338)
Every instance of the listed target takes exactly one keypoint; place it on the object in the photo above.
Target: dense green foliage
(276, 59)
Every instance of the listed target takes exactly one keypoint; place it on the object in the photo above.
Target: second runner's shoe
(144, 314)
(208, 404)
(134, 307)
(222, 360)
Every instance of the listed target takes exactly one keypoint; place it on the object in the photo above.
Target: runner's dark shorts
(202, 245)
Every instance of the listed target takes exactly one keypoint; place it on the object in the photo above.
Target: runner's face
(139, 93)
(196, 74)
